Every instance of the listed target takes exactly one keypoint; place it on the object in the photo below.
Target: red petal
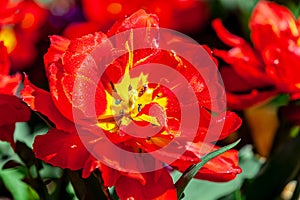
(13, 110)
(280, 66)
(159, 186)
(111, 176)
(56, 50)
(139, 19)
(63, 65)
(192, 75)
(212, 128)
(231, 123)
(243, 101)
(7, 133)
(251, 87)
(243, 93)
(90, 165)
(54, 69)
(240, 58)
(61, 149)
(228, 38)
(221, 126)
(41, 101)
(220, 169)
(236, 83)
(9, 84)
(273, 20)
(79, 49)
(242, 52)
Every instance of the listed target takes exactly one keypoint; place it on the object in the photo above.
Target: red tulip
(139, 103)
(9, 12)
(254, 74)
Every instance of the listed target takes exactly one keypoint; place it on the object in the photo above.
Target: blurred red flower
(133, 102)
(9, 12)
(268, 68)
(20, 30)
(12, 109)
(173, 14)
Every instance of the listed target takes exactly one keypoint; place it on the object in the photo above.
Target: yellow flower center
(129, 97)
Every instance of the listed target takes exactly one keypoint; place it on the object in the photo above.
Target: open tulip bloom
(96, 109)
(105, 99)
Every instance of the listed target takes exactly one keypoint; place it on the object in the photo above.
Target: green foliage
(23, 177)
(13, 181)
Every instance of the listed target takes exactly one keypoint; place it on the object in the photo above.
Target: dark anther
(139, 107)
(113, 86)
(129, 87)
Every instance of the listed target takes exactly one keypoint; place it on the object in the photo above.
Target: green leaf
(12, 179)
(187, 176)
(7, 154)
(280, 100)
